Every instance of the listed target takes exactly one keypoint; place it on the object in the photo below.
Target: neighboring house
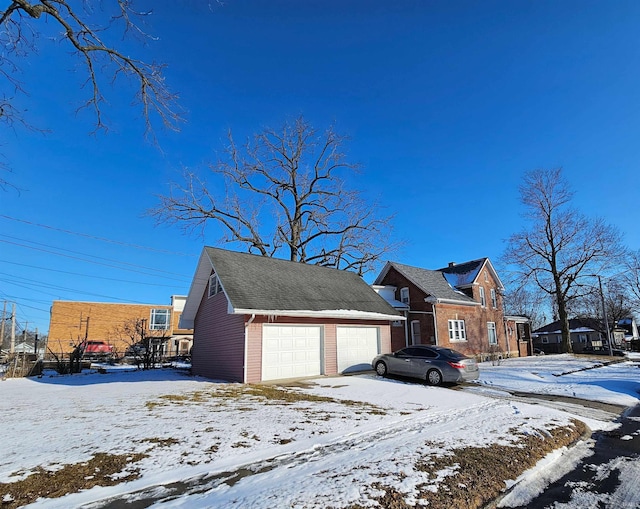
(583, 333)
(629, 330)
(72, 322)
(459, 306)
(257, 318)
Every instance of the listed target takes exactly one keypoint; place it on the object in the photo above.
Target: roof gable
(431, 282)
(462, 275)
(263, 285)
(444, 284)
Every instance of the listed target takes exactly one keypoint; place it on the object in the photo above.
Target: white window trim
(483, 300)
(494, 298)
(404, 295)
(214, 285)
(457, 332)
(491, 326)
(163, 326)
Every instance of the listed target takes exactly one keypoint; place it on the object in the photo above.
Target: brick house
(458, 306)
(257, 318)
(74, 321)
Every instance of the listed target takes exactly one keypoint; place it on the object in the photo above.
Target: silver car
(434, 364)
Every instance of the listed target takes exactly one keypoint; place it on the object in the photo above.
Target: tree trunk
(567, 347)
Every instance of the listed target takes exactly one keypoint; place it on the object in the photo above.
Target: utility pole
(4, 313)
(12, 348)
(604, 314)
(86, 331)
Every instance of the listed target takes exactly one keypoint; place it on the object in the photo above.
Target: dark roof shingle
(253, 282)
(432, 282)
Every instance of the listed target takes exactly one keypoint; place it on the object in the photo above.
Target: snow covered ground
(335, 442)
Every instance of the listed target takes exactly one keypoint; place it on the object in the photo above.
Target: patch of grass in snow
(101, 470)
(270, 394)
(162, 442)
(470, 477)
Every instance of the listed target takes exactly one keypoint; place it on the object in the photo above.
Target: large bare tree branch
(102, 61)
(283, 194)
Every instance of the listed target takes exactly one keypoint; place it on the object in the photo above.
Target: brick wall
(476, 317)
(73, 321)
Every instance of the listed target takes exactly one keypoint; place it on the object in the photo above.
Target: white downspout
(406, 328)
(246, 345)
(435, 324)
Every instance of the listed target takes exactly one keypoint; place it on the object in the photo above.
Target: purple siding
(218, 341)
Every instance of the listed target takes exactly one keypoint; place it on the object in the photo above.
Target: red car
(96, 348)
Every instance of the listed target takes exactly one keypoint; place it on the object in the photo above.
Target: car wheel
(381, 368)
(434, 377)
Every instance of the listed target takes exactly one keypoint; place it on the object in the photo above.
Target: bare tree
(616, 301)
(561, 246)
(631, 278)
(525, 301)
(87, 29)
(283, 194)
(142, 345)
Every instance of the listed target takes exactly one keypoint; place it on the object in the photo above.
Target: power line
(33, 286)
(85, 275)
(102, 239)
(91, 261)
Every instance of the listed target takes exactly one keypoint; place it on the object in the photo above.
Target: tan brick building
(72, 322)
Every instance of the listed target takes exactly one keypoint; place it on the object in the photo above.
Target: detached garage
(257, 318)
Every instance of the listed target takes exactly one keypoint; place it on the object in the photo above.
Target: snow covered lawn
(329, 442)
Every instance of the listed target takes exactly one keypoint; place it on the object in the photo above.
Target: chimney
(452, 264)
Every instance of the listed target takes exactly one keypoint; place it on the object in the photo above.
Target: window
(420, 352)
(494, 298)
(214, 285)
(415, 332)
(456, 330)
(404, 295)
(545, 339)
(582, 338)
(483, 302)
(493, 338)
(160, 319)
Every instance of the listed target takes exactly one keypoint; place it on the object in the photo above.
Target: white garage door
(357, 346)
(290, 351)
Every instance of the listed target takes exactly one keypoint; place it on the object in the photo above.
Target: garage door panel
(357, 346)
(290, 351)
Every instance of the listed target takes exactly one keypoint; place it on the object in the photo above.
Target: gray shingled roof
(574, 325)
(432, 282)
(260, 283)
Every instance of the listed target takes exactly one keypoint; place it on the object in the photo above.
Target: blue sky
(447, 104)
